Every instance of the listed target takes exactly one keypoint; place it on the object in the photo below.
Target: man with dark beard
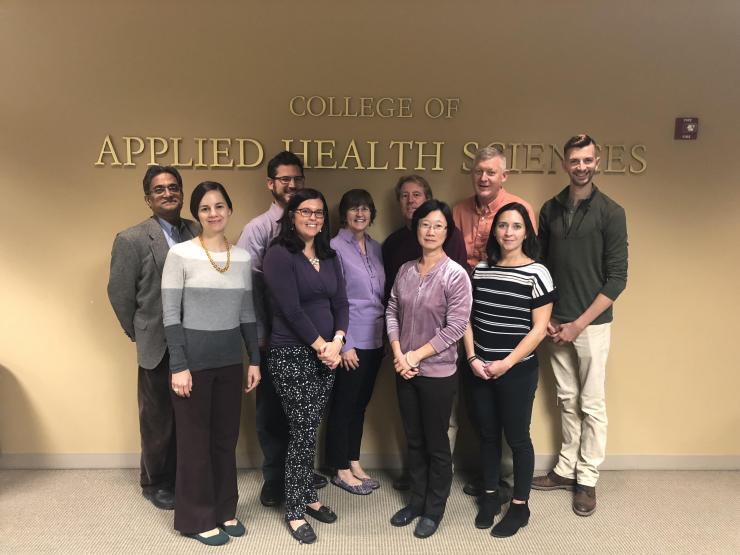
(284, 177)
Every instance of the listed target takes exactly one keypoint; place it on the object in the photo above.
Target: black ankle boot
(488, 507)
(516, 517)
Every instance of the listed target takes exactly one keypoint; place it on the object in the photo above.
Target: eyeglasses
(307, 213)
(436, 228)
(357, 209)
(479, 173)
(160, 189)
(286, 179)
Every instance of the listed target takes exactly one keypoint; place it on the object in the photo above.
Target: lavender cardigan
(434, 310)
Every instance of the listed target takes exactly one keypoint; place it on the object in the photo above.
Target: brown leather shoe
(584, 501)
(552, 481)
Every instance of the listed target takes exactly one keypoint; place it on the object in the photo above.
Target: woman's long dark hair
(288, 236)
(530, 247)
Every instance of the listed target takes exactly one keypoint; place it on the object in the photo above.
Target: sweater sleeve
(459, 294)
(173, 282)
(615, 253)
(247, 322)
(391, 311)
(339, 302)
(281, 279)
(253, 239)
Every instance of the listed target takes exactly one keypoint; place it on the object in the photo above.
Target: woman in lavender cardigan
(427, 314)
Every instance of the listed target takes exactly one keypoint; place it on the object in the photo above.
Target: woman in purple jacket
(362, 354)
(427, 314)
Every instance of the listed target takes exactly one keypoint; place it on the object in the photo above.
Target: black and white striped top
(503, 300)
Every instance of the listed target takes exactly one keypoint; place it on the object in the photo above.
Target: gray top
(207, 313)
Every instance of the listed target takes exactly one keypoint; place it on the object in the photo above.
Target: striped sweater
(206, 313)
(503, 300)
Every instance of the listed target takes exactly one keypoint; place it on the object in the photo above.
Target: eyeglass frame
(286, 179)
(319, 214)
(161, 189)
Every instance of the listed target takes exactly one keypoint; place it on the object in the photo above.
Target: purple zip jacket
(434, 310)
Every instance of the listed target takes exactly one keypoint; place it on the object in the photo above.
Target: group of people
(317, 313)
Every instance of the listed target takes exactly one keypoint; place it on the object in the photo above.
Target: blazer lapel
(158, 245)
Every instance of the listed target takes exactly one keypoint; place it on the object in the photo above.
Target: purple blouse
(365, 280)
(306, 303)
(434, 310)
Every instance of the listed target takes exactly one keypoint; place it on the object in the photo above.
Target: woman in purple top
(362, 354)
(427, 314)
(310, 318)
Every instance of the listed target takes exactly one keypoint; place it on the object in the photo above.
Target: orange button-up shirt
(475, 222)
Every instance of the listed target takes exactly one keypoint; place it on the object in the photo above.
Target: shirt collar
(167, 226)
(275, 212)
(348, 236)
(489, 207)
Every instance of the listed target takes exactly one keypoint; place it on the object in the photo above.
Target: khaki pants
(580, 373)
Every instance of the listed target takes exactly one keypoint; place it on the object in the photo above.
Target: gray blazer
(135, 285)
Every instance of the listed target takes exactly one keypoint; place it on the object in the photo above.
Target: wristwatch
(341, 338)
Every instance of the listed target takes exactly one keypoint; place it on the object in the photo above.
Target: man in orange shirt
(474, 217)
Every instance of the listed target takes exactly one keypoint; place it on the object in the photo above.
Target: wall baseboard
(253, 460)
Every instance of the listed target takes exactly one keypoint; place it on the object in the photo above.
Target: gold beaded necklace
(213, 262)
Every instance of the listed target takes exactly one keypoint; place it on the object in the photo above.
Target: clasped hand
(328, 353)
(563, 333)
(403, 368)
(489, 370)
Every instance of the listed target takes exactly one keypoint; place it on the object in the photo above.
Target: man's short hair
(154, 171)
(414, 178)
(577, 141)
(284, 158)
(488, 152)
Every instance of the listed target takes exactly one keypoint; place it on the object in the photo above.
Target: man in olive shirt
(583, 235)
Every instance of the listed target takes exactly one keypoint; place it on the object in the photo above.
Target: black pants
(272, 426)
(506, 404)
(157, 427)
(426, 404)
(207, 432)
(304, 385)
(352, 392)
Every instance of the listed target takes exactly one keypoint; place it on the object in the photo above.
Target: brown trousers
(207, 432)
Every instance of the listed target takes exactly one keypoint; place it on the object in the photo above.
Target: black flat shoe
(222, 538)
(405, 516)
(319, 481)
(272, 493)
(234, 530)
(162, 498)
(323, 514)
(303, 534)
(425, 527)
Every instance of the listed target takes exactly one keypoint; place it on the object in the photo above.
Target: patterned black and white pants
(304, 384)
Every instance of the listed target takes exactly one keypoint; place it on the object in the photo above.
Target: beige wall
(74, 72)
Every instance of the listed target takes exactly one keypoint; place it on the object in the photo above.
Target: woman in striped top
(512, 301)
(208, 312)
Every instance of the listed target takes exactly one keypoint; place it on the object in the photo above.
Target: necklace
(213, 262)
(314, 261)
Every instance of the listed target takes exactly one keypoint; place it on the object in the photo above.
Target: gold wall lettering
(396, 154)
(546, 158)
